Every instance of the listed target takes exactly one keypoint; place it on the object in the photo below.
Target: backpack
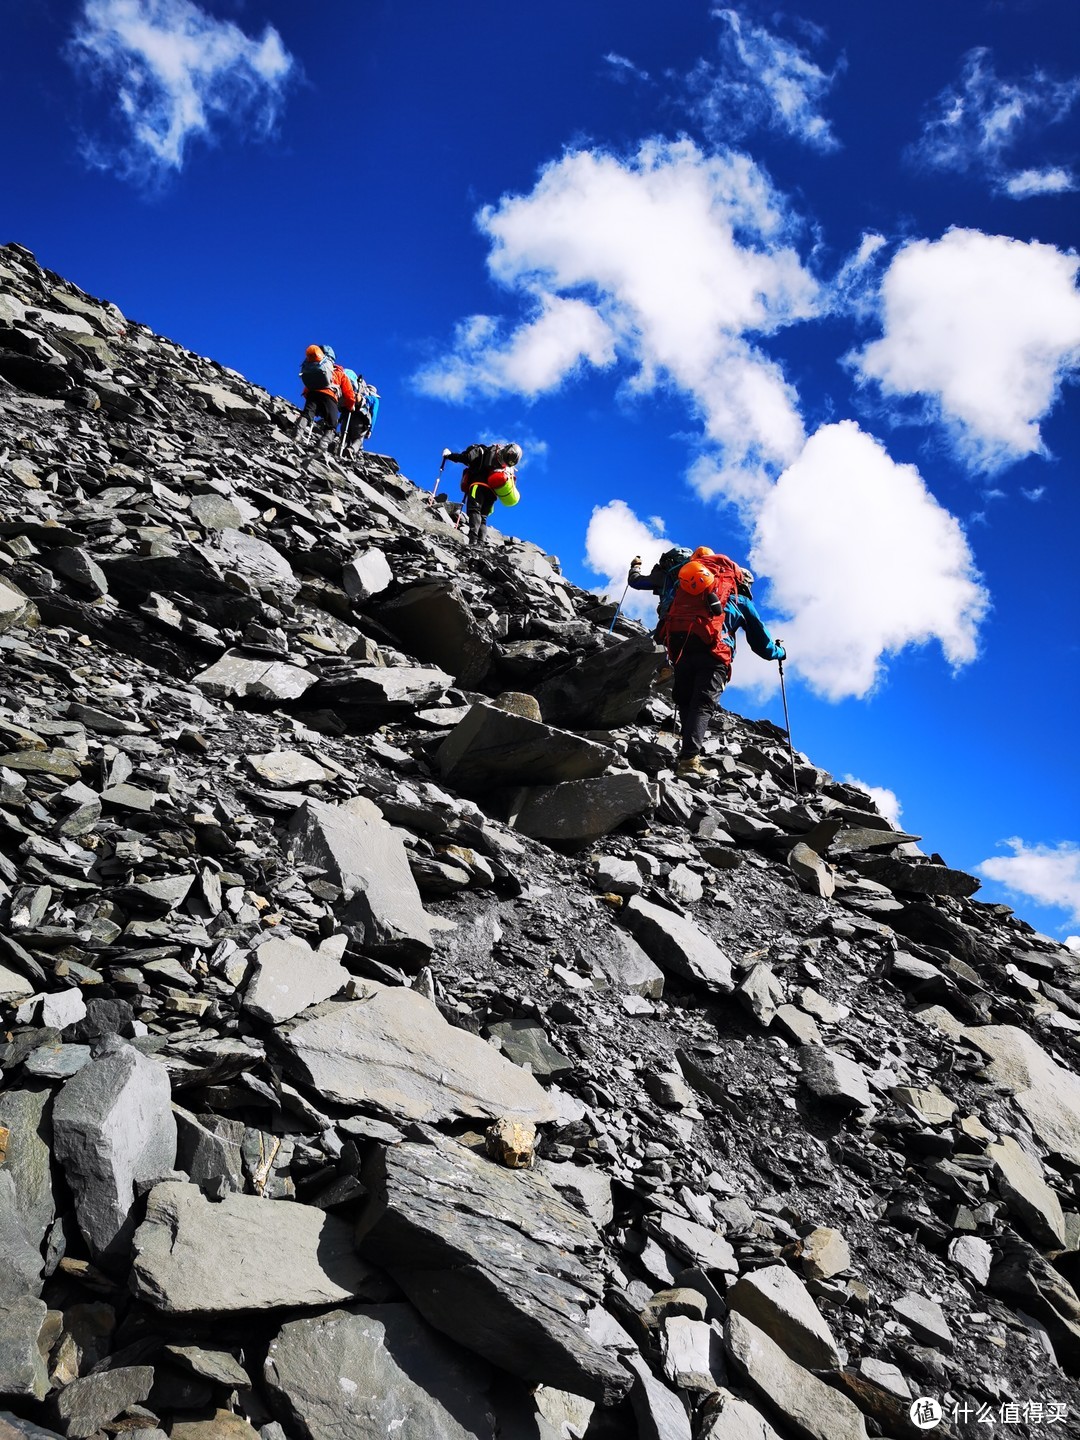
(669, 565)
(317, 375)
(690, 614)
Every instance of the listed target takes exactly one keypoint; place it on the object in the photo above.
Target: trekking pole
(636, 561)
(787, 725)
(345, 433)
(438, 482)
(618, 607)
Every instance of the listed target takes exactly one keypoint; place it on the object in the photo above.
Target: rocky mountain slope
(391, 1045)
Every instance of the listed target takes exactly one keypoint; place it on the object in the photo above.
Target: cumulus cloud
(760, 79)
(538, 356)
(863, 562)
(1047, 874)
(986, 329)
(614, 536)
(977, 124)
(174, 70)
(672, 261)
(885, 800)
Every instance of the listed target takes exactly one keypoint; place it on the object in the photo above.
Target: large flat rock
(677, 945)
(493, 746)
(581, 810)
(373, 1371)
(436, 623)
(114, 1131)
(364, 856)
(1047, 1093)
(812, 1409)
(287, 977)
(495, 1258)
(248, 677)
(604, 690)
(776, 1300)
(243, 1253)
(392, 1050)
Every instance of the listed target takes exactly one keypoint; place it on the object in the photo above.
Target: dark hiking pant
(700, 676)
(478, 507)
(359, 427)
(324, 407)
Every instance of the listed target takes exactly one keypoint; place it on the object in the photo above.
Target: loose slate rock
(812, 1409)
(582, 810)
(678, 945)
(22, 1361)
(243, 1253)
(376, 1370)
(493, 746)
(114, 1131)
(491, 1257)
(365, 857)
(87, 1405)
(393, 1050)
(288, 977)
(834, 1078)
(244, 677)
(776, 1301)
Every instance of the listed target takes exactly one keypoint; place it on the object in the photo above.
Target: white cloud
(615, 535)
(760, 79)
(978, 123)
(174, 70)
(986, 328)
(1052, 181)
(1047, 874)
(623, 70)
(863, 562)
(1073, 942)
(680, 258)
(886, 801)
(538, 356)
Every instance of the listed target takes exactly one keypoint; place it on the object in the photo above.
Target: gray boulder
(582, 810)
(20, 1259)
(24, 1115)
(15, 608)
(364, 856)
(244, 677)
(604, 690)
(243, 1253)
(288, 976)
(493, 746)
(812, 1409)
(495, 1258)
(393, 1050)
(367, 574)
(776, 1300)
(376, 1370)
(436, 623)
(834, 1078)
(114, 1131)
(24, 1348)
(678, 945)
(87, 1405)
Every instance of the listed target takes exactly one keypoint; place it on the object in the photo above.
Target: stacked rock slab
(384, 1052)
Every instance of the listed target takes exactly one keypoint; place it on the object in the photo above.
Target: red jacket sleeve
(344, 384)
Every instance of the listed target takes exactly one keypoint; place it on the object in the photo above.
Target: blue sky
(797, 285)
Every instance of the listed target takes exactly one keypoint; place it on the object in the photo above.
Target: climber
(662, 579)
(490, 475)
(712, 602)
(357, 424)
(325, 387)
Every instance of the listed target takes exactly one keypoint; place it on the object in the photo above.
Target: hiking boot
(690, 765)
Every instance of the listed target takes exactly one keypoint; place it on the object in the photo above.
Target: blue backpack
(669, 565)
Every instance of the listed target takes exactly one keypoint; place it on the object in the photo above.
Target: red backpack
(690, 614)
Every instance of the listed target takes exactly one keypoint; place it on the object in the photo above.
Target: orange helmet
(701, 552)
(696, 578)
(313, 352)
